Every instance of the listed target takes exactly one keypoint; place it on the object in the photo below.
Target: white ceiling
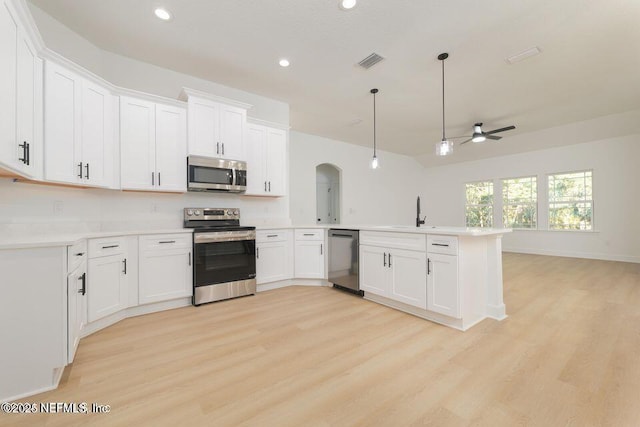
(589, 66)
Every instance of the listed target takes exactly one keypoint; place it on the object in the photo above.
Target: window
(571, 201)
(479, 206)
(520, 202)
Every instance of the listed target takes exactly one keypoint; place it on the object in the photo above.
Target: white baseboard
(497, 312)
(572, 254)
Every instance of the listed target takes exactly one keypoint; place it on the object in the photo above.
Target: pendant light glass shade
(444, 148)
(374, 160)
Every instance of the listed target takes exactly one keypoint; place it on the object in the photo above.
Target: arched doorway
(327, 194)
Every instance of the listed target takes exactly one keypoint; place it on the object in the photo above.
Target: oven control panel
(198, 214)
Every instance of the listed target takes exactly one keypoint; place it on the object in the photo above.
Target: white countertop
(64, 239)
(425, 229)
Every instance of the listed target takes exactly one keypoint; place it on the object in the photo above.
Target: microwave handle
(234, 176)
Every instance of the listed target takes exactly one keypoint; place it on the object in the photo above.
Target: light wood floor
(569, 354)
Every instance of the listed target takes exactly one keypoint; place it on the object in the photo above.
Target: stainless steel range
(224, 254)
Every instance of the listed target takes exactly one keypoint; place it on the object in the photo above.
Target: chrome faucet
(418, 220)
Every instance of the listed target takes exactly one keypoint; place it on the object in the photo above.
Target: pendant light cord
(443, 99)
(374, 123)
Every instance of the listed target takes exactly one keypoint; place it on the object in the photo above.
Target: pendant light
(374, 160)
(444, 147)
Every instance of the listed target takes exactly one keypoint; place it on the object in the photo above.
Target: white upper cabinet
(266, 161)
(79, 129)
(21, 100)
(217, 126)
(153, 146)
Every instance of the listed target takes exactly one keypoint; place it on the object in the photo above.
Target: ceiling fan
(480, 136)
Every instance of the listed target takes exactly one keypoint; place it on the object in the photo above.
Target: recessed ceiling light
(284, 62)
(162, 14)
(347, 4)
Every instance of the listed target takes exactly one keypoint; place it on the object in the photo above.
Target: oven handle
(224, 236)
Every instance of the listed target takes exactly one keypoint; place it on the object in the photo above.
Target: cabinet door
(97, 131)
(137, 144)
(8, 77)
(374, 270)
(309, 260)
(443, 295)
(232, 128)
(62, 108)
(165, 274)
(409, 277)
(171, 148)
(106, 286)
(272, 262)
(204, 128)
(255, 155)
(276, 160)
(27, 103)
(76, 309)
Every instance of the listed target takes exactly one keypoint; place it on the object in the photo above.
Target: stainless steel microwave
(210, 174)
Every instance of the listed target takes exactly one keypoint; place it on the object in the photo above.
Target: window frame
(550, 202)
(492, 205)
(536, 204)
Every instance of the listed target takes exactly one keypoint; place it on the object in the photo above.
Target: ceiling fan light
(478, 137)
(444, 148)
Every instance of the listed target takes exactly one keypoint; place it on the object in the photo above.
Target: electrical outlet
(58, 207)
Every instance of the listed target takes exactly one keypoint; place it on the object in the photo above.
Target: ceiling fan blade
(500, 130)
(494, 137)
(464, 142)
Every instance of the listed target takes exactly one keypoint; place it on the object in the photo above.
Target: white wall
(383, 196)
(26, 208)
(616, 177)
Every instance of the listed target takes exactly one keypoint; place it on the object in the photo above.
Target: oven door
(224, 257)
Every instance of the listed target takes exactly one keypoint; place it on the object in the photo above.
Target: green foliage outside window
(479, 207)
(520, 202)
(571, 201)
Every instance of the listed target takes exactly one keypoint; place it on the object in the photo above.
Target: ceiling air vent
(370, 61)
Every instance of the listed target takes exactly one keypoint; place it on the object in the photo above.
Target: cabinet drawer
(106, 246)
(409, 241)
(76, 253)
(440, 244)
(264, 236)
(165, 241)
(310, 234)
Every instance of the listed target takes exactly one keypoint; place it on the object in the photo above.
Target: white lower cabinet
(274, 256)
(76, 296)
(394, 273)
(443, 292)
(309, 254)
(107, 278)
(165, 267)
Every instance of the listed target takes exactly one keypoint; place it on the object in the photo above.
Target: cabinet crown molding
(187, 92)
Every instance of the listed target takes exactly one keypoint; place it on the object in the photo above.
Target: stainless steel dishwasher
(343, 259)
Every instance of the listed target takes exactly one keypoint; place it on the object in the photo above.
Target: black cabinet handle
(189, 258)
(217, 148)
(24, 155)
(167, 241)
(223, 148)
(384, 263)
(80, 254)
(153, 178)
(159, 182)
(272, 235)
(110, 246)
(28, 153)
(87, 168)
(124, 262)
(308, 234)
(440, 244)
(428, 266)
(265, 186)
(389, 259)
(80, 166)
(83, 278)
(321, 249)
(258, 253)
(269, 186)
